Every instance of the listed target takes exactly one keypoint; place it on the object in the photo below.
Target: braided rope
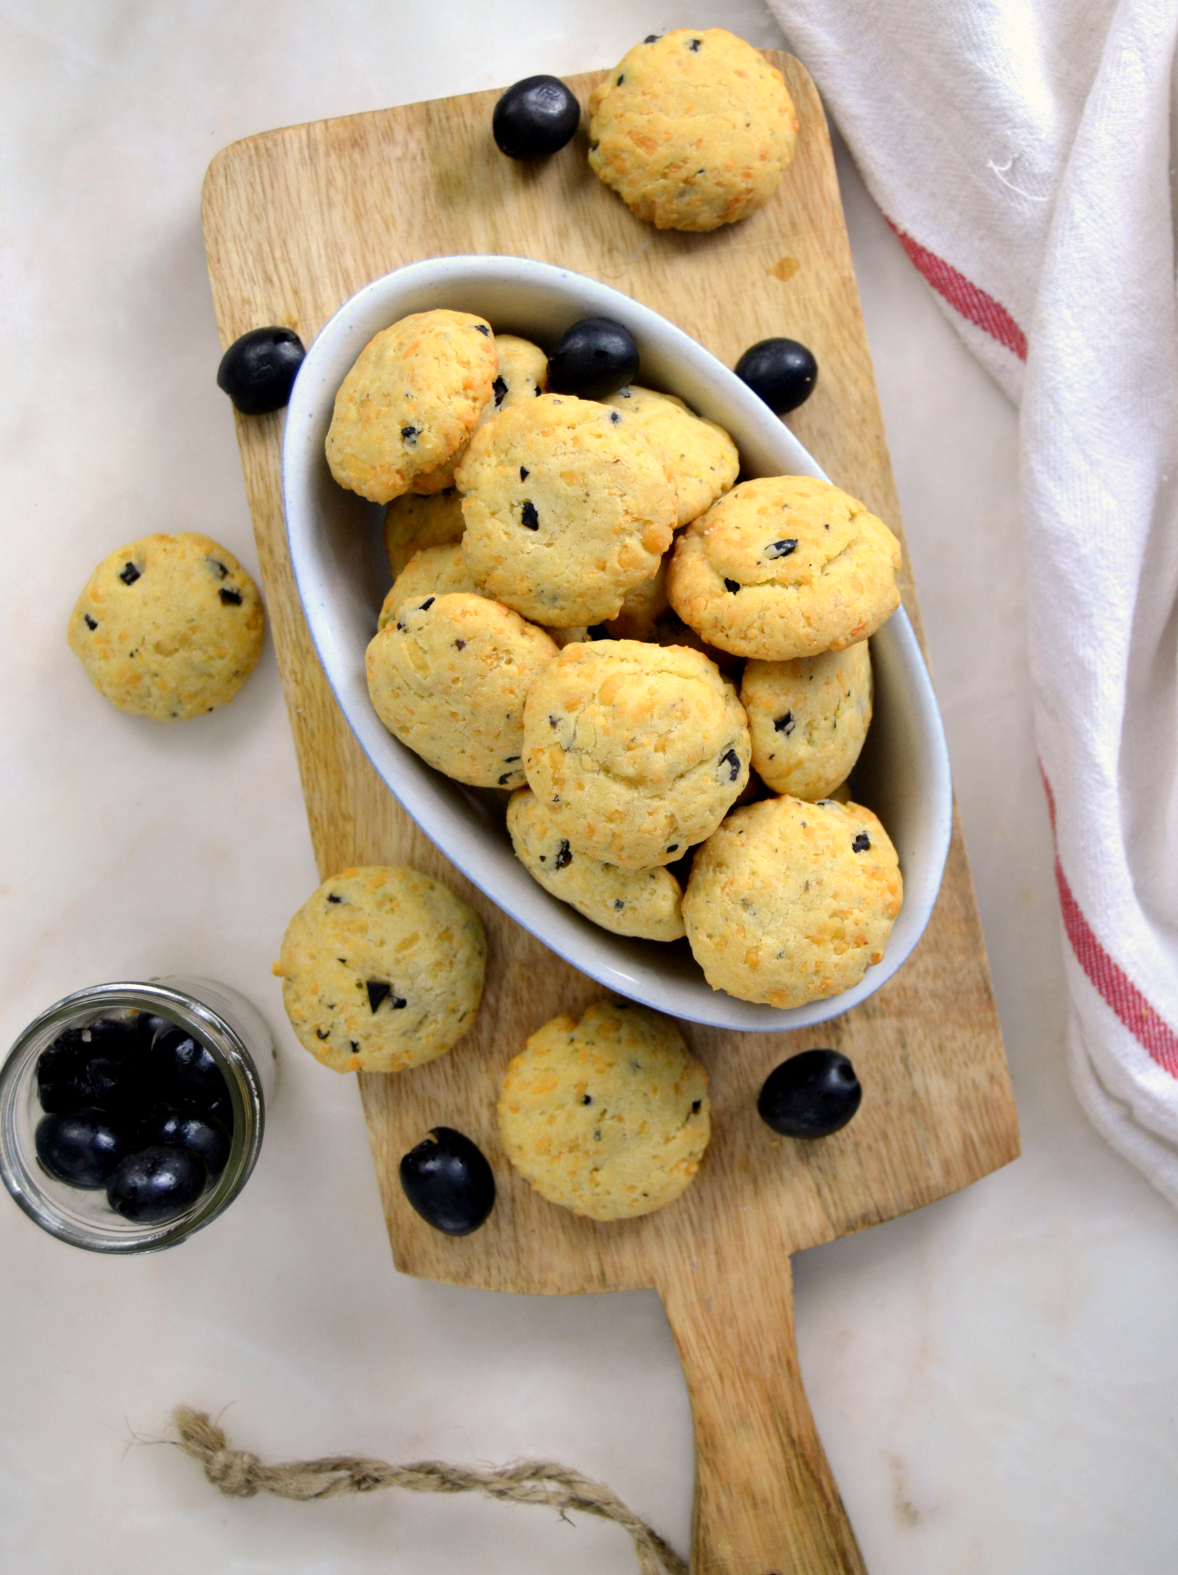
(239, 1474)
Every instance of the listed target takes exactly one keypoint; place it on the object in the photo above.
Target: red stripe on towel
(975, 305)
(1143, 1021)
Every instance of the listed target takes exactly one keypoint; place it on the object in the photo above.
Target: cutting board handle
(765, 1498)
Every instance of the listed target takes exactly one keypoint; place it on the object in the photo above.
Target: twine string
(239, 1474)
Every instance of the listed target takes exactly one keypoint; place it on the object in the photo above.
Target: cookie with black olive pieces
(636, 751)
(568, 507)
(692, 130)
(782, 567)
(607, 1115)
(702, 457)
(413, 522)
(434, 571)
(646, 903)
(790, 902)
(639, 614)
(410, 401)
(808, 719)
(168, 627)
(382, 969)
(522, 375)
(449, 675)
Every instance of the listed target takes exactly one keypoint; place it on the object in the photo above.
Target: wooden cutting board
(295, 221)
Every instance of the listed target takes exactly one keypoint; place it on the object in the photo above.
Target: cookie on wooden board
(382, 969)
(168, 627)
(692, 130)
(607, 1115)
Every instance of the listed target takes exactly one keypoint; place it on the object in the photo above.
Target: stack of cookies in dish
(667, 671)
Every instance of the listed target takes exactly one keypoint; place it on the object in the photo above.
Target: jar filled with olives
(131, 1114)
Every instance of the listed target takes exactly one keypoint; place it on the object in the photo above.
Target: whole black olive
(156, 1184)
(80, 1147)
(448, 1181)
(535, 117)
(811, 1095)
(202, 1133)
(593, 359)
(781, 371)
(258, 370)
(185, 1070)
(100, 1066)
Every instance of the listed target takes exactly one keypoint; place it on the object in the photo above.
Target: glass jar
(238, 1040)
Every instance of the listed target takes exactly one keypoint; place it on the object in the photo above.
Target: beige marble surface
(995, 1377)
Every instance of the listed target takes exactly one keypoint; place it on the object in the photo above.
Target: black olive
(80, 1148)
(811, 1095)
(448, 1181)
(782, 371)
(185, 1070)
(102, 1065)
(156, 1184)
(593, 359)
(535, 117)
(203, 1134)
(258, 370)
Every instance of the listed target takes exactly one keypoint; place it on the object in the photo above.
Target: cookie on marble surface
(410, 401)
(808, 719)
(646, 903)
(448, 676)
(568, 507)
(433, 571)
(522, 375)
(636, 751)
(782, 567)
(168, 627)
(692, 130)
(413, 522)
(702, 457)
(608, 1115)
(382, 969)
(792, 902)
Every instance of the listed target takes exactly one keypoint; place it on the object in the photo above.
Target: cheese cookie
(382, 969)
(635, 751)
(702, 457)
(412, 522)
(607, 1116)
(785, 566)
(808, 719)
(434, 571)
(410, 401)
(448, 676)
(791, 902)
(168, 627)
(692, 130)
(568, 507)
(647, 903)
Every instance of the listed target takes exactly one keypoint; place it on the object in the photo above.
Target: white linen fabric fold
(1021, 151)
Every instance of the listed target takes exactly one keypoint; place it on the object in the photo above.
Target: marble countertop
(995, 1377)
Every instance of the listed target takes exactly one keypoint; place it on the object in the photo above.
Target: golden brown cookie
(791, 902)
(410, 401)
(168, 627)
(639, 614)
(647, 903)
(702, 457)
(607, 1116)
(692, 130)
(523, 373)
(448, 676)
(785, 566)
(382, 969)
(434, 571)
(808, 719)
(568, 507)
(636, 751)
(412, 523)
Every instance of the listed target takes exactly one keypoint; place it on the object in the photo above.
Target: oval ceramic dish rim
(706, 384)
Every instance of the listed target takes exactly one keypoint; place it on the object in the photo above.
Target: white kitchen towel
(1021, 151)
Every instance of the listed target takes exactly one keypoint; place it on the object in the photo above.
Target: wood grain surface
(296, 221)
